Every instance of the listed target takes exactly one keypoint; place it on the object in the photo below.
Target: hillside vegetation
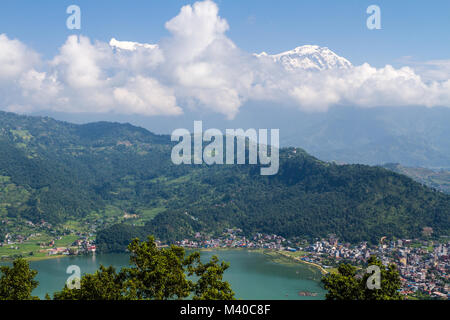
(60, 172)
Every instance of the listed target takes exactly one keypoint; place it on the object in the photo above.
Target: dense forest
(56, 171)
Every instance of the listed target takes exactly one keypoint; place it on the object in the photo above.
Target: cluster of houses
(424, 270)
(80, 246)
(231, 239)
(13, 239)
(424, 266)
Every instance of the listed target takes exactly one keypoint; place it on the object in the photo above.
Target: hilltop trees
(347, 285)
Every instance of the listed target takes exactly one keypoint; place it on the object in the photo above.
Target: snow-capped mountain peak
(130, 46)
(309, 57)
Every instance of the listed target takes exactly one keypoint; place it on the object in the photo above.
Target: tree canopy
(346, 284)
(17, 282)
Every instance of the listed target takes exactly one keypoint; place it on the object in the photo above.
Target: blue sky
(419, 29)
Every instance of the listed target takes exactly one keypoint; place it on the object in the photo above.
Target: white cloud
(38, 87)
(435, 70)
(195, 28)
(204, 66)
(147, 96)
(198, 66)
(80, 64)
(15, 58)
(366, 86)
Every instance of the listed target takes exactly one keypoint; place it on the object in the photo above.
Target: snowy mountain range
(308, 57)
(130, 45)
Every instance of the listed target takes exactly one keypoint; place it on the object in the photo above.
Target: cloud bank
(199, 67)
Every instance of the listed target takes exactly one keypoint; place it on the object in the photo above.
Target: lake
(252, 274)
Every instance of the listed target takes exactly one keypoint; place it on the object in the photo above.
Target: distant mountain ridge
(438, 179)
(412, 136)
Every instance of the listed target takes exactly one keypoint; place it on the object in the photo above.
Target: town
(423, 264)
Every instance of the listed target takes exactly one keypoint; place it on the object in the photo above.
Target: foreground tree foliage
(347, 285)
(104, 284)
(210, 285)
(17, 282)
(156, 274)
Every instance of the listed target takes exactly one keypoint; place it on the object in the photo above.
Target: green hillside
(102, 172)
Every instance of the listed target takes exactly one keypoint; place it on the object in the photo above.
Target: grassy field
(31, 249)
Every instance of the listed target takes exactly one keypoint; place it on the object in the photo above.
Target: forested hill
(59, 172)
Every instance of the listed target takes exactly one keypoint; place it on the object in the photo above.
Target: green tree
(390, 282)
(156, 273)
(104, 284)
(17, 282)
(344, 285)
(348, 285)
(210, 285)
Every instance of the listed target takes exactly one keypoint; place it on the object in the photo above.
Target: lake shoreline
(252, 274)
(258, 250)
(33, 259)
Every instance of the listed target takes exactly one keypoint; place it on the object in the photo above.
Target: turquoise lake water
(252, 275)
